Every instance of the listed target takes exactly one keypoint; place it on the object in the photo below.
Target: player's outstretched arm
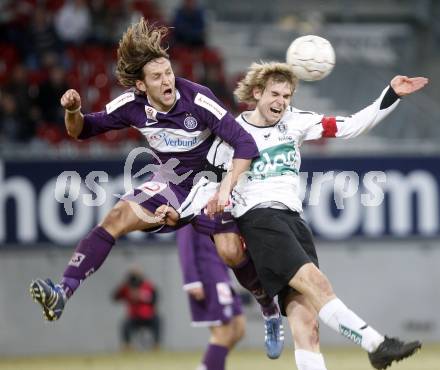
(404, 85)
(370, 116)
(73, 118)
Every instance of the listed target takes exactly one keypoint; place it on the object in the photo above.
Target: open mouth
(275, 110)
(168, 92)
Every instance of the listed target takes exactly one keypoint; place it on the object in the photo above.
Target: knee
(324, 286)
(231, 252)
(224, 336)
(239, 332)
(317, 281)
(114, 220)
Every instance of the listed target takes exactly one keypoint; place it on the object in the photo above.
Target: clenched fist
(71, 100)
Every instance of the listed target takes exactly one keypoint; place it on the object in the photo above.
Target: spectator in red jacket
(140, 297)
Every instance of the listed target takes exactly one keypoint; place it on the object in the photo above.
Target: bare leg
(303, 322)
(315, 286)
(230, 249)
(223, 339)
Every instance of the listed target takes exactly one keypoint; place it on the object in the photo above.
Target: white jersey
(273, 178)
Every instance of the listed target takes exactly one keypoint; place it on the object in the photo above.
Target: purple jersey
(199, 260)
(185, 132)
(202, 267)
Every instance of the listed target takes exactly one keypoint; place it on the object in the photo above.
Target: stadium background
(382, 260)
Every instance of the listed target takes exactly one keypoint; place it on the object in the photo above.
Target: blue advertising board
(58, 202)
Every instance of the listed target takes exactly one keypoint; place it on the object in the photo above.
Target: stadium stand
(233, 41)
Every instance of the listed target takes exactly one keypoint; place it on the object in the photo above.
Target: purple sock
(89, 255)
(247, 276)
(215, 357)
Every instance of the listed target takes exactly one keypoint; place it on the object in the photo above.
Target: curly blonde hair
(140, 44)
(258, 75)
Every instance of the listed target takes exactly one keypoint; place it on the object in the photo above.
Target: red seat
(8, 58)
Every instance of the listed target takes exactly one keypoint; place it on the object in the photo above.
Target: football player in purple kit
(213, 302)
(180, 120)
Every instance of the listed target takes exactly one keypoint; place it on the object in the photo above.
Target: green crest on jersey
(275, 161)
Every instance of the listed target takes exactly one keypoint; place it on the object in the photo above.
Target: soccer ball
(312, 57)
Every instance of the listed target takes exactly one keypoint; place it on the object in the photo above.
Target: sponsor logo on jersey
(174, 142)
(285, 138)
(119, 102)
(275, 161)
(210, 105)
(190, 122)
(77, 259)
(151, 115)
(180, 142)
(157, 137)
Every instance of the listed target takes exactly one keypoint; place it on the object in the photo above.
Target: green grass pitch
(336, 359)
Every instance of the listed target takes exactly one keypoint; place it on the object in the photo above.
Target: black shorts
(280, 243)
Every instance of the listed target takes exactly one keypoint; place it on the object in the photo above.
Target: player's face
(159, 84)
(273, 101)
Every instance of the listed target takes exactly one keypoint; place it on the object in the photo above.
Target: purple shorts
(152, 194)
(220, 305)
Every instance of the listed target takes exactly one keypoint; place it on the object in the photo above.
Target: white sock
(337, 316)
(307, 360)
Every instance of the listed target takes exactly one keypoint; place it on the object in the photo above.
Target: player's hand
(71, 100)
(219, 201)
(404, 85)
(215, 205)
(167, 215)
(197, 293)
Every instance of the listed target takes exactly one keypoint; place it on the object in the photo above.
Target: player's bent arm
(74, 122)
(239, 166)
(73, 118)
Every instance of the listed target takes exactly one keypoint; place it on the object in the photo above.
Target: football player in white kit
(267, 206)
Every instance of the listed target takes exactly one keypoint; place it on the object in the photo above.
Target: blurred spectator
(189, 25)
(49, 94)
(214, 79)
(123, 16)
(14, 18)
(41, 46)
(73, 22)
(140, 297)
(15, 124)
(18, 87)
(104, 18)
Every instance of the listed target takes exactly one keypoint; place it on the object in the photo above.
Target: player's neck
(257, 119)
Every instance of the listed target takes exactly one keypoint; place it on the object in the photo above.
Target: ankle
(270, 311)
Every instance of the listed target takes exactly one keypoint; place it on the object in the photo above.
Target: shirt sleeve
(186, 243)
(114, 117)
(356, 124)
(223, 124)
